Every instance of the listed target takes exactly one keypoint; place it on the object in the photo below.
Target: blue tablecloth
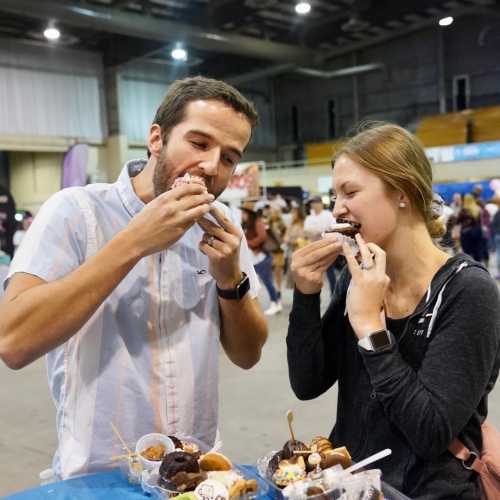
(101, 486)
(114, 486)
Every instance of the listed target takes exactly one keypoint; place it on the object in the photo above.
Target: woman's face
(362, 197)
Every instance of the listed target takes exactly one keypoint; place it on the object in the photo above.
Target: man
(130, 287)
(318, 221)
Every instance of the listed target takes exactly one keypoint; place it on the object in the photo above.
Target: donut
(177, 442)
(215, 461)
(321, 444)
(290, 446)
(187, 178)
(177, 461)
(337, 456)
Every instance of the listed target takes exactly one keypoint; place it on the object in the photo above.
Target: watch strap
(236, 293)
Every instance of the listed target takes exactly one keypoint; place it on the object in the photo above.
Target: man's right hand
(310, 263)
(164, 220)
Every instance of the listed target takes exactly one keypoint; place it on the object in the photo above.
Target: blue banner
(464, 152)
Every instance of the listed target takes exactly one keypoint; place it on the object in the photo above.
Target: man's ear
(155, 141)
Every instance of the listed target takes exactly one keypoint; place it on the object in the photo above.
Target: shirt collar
(129, 198)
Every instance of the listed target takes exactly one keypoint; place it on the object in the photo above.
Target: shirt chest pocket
(189, 281)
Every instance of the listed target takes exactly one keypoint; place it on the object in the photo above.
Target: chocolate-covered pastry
(345, 227)
(177, 442)
(290, 446)
(188, 481)
(177, 461)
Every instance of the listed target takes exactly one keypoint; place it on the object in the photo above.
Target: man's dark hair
(182, 92)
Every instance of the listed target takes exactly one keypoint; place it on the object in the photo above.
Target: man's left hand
(221, 244)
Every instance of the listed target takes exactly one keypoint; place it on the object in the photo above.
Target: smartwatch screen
(379, 340)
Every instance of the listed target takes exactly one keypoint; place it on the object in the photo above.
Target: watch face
(379, 340)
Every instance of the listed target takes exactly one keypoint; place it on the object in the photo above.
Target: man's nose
(210, 161)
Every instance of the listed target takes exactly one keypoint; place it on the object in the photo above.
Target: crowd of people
(276, 226)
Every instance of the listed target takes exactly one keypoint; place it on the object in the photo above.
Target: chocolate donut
(290, 446)
(177, 461)
(177, 442)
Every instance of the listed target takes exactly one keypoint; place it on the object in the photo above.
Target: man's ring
(210, 240)
(366, 266)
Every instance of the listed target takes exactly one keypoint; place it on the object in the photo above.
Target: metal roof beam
(136, 25)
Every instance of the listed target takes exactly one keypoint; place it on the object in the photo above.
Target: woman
(418, 376)
(277, 228)
(471, 235)
(256, 234)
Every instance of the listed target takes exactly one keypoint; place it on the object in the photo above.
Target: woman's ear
(403, 200)
(155, 141)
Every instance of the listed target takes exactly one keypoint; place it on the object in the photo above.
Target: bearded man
(131, 288)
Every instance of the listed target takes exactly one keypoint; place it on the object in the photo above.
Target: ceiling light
(179, 54)
(52, 34)
(18, 217)
(445, 21)
(303, 8)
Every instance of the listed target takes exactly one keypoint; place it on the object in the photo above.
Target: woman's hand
(368, 287)
(310, 263)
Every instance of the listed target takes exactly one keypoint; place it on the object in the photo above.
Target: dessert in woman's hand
(344, 227)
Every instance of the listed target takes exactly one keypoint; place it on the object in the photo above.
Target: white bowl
(153, 439)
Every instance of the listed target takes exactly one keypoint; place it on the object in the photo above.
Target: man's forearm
(35, 320)
(244, 330)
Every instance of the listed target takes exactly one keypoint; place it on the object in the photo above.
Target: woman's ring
(210, 240)
(365, 266)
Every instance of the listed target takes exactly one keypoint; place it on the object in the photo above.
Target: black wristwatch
(236, 293)
(376, 341)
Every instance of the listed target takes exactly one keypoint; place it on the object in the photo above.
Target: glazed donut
(215, 461)
(177, 461)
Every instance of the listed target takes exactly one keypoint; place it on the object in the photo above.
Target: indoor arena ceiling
(227, 37)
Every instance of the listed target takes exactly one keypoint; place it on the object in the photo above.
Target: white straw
(369, 460)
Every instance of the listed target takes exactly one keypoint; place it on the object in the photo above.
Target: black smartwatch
(236, 293)
(376, 341)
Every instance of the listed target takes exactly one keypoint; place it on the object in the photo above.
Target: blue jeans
(330, 274)
(497, 250)
(264, 270)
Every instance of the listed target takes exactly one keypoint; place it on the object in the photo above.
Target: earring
(402, 204)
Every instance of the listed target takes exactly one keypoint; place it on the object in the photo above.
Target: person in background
(132, 289)
(7, 221)
(471, 237)
(318, 221)
(21, 232)
(456, 203)
(277, 228)
(495, 231)
(295, 238)
(254, 227)
(412, 334)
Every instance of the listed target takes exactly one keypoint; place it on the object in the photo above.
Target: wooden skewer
(289, 416)
(115, 458)
(118, 435)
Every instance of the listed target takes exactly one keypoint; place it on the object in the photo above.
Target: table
(114, 486)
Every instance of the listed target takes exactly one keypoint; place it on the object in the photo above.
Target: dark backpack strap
(470, 459)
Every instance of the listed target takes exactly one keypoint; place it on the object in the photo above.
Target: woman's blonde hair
(472, 206)
(397, 158)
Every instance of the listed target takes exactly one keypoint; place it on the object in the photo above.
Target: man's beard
(163, 178)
